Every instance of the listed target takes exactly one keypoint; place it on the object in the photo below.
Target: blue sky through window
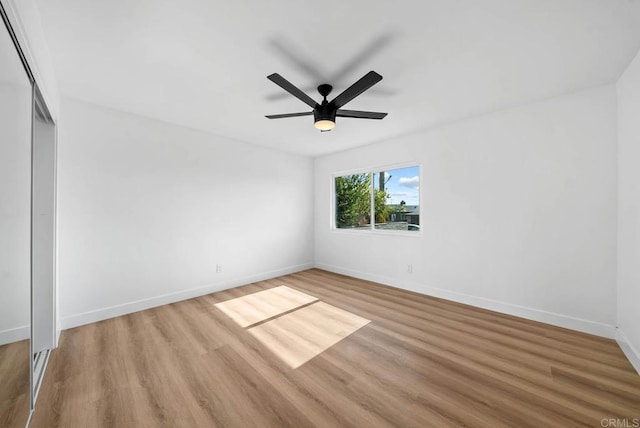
(404, 185)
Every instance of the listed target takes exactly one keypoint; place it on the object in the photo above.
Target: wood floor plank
(14, 387)
(419, 362)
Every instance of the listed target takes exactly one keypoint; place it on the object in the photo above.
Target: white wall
(628, 88)
(518, 212)
(15, 193)
(147, 209)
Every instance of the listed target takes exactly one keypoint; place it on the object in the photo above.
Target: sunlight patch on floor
(299, 336)
(256, 307)
(294, 326)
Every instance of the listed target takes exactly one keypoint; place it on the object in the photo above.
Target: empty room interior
(320, 214)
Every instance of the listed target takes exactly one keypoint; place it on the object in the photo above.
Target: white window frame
(372, 229)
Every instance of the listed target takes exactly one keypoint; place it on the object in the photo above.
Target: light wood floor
(14, 384)
(419, 362)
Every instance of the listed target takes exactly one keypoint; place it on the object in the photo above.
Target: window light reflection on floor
(299, 334)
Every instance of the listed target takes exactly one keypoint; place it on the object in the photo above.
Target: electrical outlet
(218, 268)
(409, 268)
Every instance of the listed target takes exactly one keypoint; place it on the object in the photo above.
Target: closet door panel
(43, 234)
(15, 191)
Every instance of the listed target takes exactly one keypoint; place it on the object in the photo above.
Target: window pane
(353, 201)
(397, 199)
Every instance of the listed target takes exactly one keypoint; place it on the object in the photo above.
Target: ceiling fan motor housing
(325, 111)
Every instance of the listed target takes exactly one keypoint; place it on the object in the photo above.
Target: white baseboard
(14, 334)
(586, 326)
(152, 302)
(632, 353)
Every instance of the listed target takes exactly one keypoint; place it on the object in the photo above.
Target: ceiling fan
(325, 113)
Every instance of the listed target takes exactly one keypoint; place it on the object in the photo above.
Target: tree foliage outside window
(354, 194)
(353, 200)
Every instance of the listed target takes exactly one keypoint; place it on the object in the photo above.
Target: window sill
(364, 232)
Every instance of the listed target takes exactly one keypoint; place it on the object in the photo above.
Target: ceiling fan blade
(289, 87)
(360, 114)
(282, 116)
(369, 79)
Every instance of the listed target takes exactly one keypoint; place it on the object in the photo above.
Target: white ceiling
(203, 63)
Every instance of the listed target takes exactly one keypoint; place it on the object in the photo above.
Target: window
(391, 197)
(397, 199)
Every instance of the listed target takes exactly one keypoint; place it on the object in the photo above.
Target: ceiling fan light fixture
(324, 116)
(324, 125)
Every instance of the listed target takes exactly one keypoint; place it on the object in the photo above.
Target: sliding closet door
(15, 179)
